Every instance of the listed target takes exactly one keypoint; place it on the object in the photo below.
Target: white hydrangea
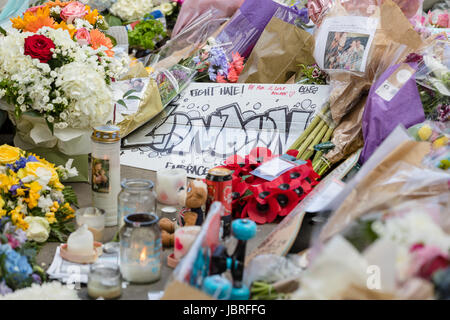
(132, 10)
(91, 97)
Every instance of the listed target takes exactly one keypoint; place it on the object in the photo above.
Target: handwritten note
(211, 122)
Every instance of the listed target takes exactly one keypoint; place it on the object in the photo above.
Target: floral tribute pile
(58, 64)
(261, 200)
(32, 196)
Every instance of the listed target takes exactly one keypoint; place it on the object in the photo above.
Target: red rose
(38, 47)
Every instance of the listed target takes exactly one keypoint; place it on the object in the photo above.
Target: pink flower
(427, 260)
(83, 37)
(442, 20)
(34, 9)
(73, 11)
(13, 242)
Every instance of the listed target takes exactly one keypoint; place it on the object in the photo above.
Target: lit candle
(168, 182)
(145, 270)
(183, 240)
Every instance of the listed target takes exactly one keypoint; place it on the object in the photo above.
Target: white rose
(38, 229)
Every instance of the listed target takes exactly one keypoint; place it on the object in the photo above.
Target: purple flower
(36, 278)
(218, 63)
(4, 289)
(21, 163)
(304, 15)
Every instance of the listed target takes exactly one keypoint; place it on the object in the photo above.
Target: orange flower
(39, 22)
(63, 25)
(98, 39)
(18, 23)
(92, 16)
(57, 3)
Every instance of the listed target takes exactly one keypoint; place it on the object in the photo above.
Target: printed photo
(129, 93)
(345, 51)
(100, 175)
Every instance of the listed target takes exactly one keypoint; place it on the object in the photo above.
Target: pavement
(132, 292)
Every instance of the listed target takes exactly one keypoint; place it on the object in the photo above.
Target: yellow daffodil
(9, 154)
(50, 216)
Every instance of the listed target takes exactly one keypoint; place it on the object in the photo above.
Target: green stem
(308, 130)
(310, 138)
(310, 150)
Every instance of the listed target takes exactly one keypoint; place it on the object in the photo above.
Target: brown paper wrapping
(348, 135)
(349, 89)
(373, 193)
(278, 53)
(149, 107)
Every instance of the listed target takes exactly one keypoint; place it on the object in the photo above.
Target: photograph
(100, 175)
(345, 51)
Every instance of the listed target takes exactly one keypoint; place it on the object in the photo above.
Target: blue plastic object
(242, 293)
(243, 229)
(218, 287)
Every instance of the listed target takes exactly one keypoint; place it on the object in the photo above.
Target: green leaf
(113, 20)
(129, 92)
(121, 102)
(3, 31)
(133, 98)
(113, 40)
(50, 126)
(70, 196)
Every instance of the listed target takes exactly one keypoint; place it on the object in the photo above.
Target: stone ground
(132, 292)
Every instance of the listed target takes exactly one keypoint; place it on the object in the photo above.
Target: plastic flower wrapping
(58, 64)
(32, 196)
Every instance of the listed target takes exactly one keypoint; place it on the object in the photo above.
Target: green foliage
(113, 21)
(2, 31)
(360, 234)
(146, 34)
(70, 196)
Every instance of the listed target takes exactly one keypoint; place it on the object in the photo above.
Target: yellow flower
(425, 132)
(6, 182)
(55, 207)
(70, 28)
(440, 142)
(68, 207)
(92, 16)
(2, 204)
(17, 218)
(9, 154)
(50, 216)
(33, 194)
(18, 23)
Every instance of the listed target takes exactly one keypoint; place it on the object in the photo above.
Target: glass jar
(104, 281)
(140, 248)
(137, 195)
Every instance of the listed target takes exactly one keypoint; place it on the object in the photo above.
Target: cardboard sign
(211, 122)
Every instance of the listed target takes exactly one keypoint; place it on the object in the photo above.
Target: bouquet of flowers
(18, 268)
(172, 81)
(212, 64)
(58, 65)
(32, 196)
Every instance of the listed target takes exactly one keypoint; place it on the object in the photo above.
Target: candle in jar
(168, 183)
(183, 240)
(106, 171)
(104, 281)
(145, 270)
(95, 220)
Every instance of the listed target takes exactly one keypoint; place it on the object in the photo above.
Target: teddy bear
(192, 199)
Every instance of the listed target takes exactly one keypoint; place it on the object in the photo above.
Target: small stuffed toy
(192, 201)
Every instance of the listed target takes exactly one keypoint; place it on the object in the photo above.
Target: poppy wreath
(261, 200)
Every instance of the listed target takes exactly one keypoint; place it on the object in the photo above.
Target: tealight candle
(104, 281)
(168, 182)
(183, 239)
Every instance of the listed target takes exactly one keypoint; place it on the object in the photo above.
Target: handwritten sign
(211, 122)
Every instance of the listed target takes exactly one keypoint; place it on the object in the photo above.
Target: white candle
(95, 220)
(183, 240)
(145, 270)
(81, 242)
(104, 281)
(106, 171)
(168, 182)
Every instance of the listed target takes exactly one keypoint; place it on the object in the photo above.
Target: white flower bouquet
(56, 68)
